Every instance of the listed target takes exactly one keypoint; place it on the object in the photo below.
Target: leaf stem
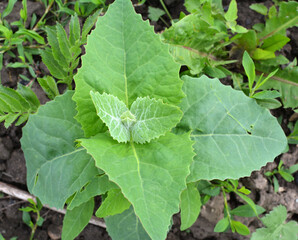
(226, 206)
(166, 10)
(43, 16)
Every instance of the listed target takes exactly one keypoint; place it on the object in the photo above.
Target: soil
(13, 169)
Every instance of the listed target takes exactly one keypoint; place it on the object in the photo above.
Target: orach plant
(135, 133)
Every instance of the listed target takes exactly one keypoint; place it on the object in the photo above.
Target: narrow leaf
(49, 86)
(75, 220)
(231, 14)
(249, 68)
(240, 228)
(190, 206)
(63, 42)
(222, 225)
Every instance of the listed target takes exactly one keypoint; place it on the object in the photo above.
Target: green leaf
(249, 68)
(131, 166)
(240, 228)
(190, 206)
(97, 186)
(74, 30)
(110, 109)
(275, 184)
(88, 25)
(63, 42)
(55, 167)
(231, 14)
(269, 103)
(155, 13)
(247, 211)
(126, 226)
(75, 220)
(260, 54)
(147, 119)
(233, 135)
(259, 8)
(285, 81)
(222, 225)
(121, 63)
(8, 8)
(31, 34)
(267, 94)
(276, 228)
(49, 86)
(55, 47)
(286, 176)
(30, 97)
(275, 43)
(285, 19)
(153, 119)
(293, 168)
(113, 204)
(54, 67)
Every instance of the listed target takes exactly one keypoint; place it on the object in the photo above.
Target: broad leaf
(55, 167)
(126, 59)
(113, 204)
(75, 220)
(190, 206)
(126, 226)
(234, 136)
(150, 176)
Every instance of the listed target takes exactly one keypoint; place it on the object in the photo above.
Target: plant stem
(226, 206)
(43, 16)
(166, 10)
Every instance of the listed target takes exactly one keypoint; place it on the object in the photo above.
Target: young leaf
(267, 94)
(260, 8)
(261, 54)
(120, 63)
(240, 228)
(113, 204)
(54, 67)
(49, 86)
(276, 228)
(222, 225)
(8, 8)
(153, 119)
(190, 206)
(249, 68)
(131, 166)
(75, 220)
(231, 14)
(55, 48)
(74, 30)
(155, 13)
(63, 42)
(110, 110)
(229, 133)
(48, 143)
(247, 211)
(126, 226)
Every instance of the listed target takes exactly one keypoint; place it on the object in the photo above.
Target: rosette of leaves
(112, 136)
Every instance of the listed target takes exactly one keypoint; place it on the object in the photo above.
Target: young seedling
(285, 173)
(34, 208)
